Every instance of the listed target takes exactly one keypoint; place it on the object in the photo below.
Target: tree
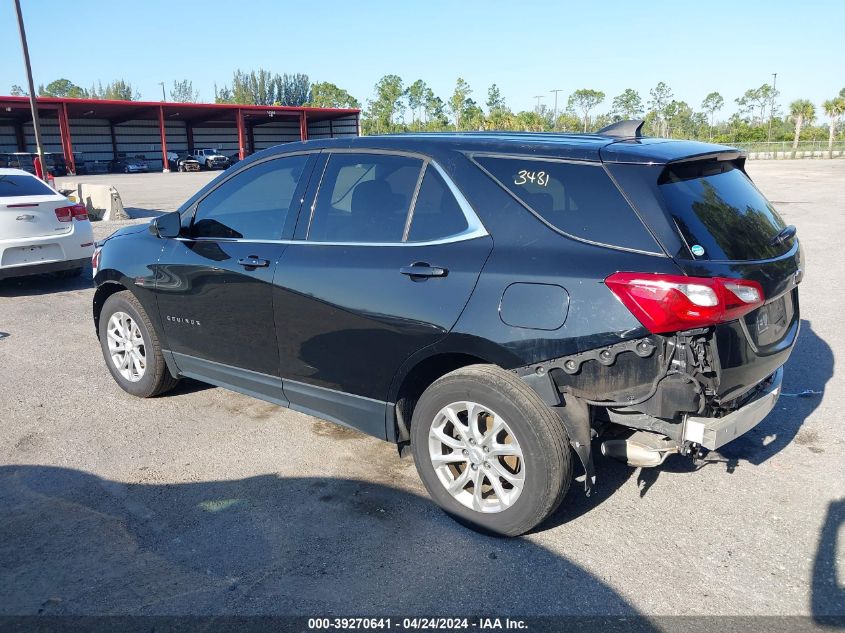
(224, 95)
(681, 121)
(328, 95)
(661, 97)
(472, 116)
(833, 108)
(293, 90)
(801, 111)
(118, 90)
(712, 103)
(627, 105)
(17, 91)
(457, 102)
(388, 102)
(62, 88)
(758, 99)
(183, 92)
(495, 100)
(585, 100)
(416, 94)
(435, 111)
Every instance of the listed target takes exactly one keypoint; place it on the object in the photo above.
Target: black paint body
(335, 330)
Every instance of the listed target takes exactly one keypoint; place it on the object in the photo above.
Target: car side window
(253, 204)
(578, 199)
(364, 198)
(436, 213)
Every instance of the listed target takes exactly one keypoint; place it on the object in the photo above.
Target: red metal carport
(245, 119)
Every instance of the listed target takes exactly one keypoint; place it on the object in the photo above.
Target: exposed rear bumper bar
(712, 433)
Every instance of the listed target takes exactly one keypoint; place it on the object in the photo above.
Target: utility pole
(163, 98)
(36, 123)
(772, 106)
(538, 97)
(554, 121)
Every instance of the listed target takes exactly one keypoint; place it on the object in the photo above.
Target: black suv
(493, 302)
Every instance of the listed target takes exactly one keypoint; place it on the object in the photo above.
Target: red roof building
(97, 130)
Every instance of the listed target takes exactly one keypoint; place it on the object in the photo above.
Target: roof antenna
(632, 128)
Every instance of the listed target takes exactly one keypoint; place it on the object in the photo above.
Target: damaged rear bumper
(712, 433)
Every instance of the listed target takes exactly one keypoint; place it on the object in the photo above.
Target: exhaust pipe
(642, 449)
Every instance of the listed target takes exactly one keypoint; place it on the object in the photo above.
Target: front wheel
(489, 450)
(131, 347)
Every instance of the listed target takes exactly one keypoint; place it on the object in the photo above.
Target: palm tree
(802, 111)
(834, 108)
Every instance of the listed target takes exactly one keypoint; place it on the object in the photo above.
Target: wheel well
(418, 379)
(103, 292)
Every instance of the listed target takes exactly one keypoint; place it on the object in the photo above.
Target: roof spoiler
(633, 128)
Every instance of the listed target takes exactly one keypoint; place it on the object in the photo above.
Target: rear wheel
(131, 347)
(489, 450)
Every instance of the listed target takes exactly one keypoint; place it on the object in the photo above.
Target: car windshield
(19, 185)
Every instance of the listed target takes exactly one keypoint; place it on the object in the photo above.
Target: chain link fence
(783, 149)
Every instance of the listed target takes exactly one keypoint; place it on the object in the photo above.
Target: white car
(41, 231)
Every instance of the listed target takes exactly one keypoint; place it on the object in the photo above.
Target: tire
(208, 165)
(155, 378)
(70, 274)
(544, 461)
(125, 170)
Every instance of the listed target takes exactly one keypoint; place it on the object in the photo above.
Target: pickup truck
(210, 158)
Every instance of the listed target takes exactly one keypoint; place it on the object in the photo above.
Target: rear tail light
(75, 212)
(669, 303)
(95, 259)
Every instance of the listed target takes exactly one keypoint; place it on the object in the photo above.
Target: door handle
(419, 270)
(253, 262)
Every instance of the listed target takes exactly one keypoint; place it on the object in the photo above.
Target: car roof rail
(632, 128)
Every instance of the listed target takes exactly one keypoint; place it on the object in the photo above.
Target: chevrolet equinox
(491, 303)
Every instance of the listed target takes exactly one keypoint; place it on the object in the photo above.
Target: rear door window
(15, 185)
(720, 213)
(577, 199)
(364, 198)
(437, 215)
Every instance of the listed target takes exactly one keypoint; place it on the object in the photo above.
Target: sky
(526, 47)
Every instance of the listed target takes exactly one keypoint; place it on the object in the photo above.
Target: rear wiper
(787, 233)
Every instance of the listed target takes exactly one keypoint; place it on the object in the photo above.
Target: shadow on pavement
(74, 543)
(809, 367)
(48, 283)
(141, 212)
(827, 596)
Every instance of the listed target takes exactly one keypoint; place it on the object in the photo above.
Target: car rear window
(18, 185)
(720, 213)
(578, 199)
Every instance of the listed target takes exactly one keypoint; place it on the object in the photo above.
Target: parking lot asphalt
(209, 502)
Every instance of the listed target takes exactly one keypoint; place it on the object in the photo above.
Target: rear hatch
(28, 208)
(729, 229)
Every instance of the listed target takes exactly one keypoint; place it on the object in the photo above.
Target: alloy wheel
(476, 457)
(126, 346)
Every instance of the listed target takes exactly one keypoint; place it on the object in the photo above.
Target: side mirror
(167, 225)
